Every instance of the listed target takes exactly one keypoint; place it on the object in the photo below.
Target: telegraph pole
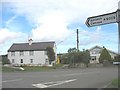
(77, 40)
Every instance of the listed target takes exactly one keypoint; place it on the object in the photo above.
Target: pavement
(61, 78)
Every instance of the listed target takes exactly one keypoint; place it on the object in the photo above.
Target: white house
(96, 51)
(31, 53)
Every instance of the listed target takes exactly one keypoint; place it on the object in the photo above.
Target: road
(61, 78)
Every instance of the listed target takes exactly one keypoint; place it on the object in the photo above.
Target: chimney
(30, 41)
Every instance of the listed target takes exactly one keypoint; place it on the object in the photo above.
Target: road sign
(102, 19)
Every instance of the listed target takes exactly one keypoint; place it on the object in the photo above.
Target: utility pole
(77, 40)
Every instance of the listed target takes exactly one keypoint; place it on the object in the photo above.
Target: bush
(5, 60)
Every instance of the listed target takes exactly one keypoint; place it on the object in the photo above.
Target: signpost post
(118, 15)
(108, 18)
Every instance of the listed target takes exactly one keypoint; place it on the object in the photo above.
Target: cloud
(6, 35)
(73, 9)
(51, 17)
(10, 20)
(53, 27)
(7, 38)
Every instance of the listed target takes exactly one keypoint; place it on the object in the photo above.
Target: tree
(86, 58)
(104, 56)
(51, 54)
(74, 57)
(5, 60)
(72, 50)
(64, 59)
(73, 54)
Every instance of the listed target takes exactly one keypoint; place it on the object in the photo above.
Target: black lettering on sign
(97, 22)
(109, 18)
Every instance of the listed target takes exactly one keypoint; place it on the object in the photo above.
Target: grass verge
(37, 68)
(8, 69)
(27, 68)
(116, 82)
(32, 68)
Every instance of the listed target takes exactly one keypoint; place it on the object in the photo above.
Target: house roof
(36, 46)
(102, 48)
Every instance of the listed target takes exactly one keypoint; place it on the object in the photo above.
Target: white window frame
(21, 61)
(31, 60)
(31, 53)
(21, 53)
(13, 53)
(13, 60)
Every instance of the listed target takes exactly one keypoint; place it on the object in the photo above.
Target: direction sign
(102, 19)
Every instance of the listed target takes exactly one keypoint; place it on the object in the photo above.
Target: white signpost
(108, 18)
(102, 19)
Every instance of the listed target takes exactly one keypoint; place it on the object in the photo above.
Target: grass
(27, 68)
(116, 82)
(37, 68)
(8, 69)
(0, 68)
(32, 68)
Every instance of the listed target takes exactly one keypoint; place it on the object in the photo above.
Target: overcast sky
(56, 20)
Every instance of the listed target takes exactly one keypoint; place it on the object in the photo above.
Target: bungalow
(96, 51)
(33, 54)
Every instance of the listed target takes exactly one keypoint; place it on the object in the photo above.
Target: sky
(56, 20)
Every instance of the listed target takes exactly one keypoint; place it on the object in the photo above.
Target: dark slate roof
(37, 46)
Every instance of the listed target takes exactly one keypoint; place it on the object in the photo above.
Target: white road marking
(12, 80)
(105, 86)
(49, 84)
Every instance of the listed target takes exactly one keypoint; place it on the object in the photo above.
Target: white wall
(39, 57)
(95, 52)
(113, 55)
(55, 50)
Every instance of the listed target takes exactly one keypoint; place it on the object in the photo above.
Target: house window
(46, 62)
(13, 53)
(96, 51)
(21, 60)
(21, 53)
(31, 53)
(31, 60)
(13, 60)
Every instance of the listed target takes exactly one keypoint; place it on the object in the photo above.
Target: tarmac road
(61, 78)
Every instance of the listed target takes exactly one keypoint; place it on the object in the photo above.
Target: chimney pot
(30, 41)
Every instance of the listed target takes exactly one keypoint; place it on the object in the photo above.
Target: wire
(65, 38)
(111, 8)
